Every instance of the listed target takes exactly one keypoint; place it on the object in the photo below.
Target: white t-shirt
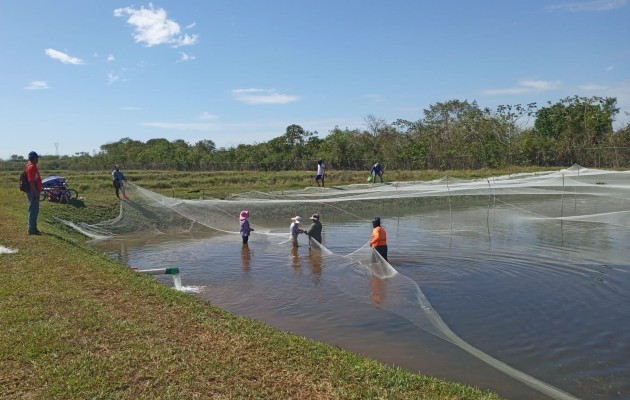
(320, 168)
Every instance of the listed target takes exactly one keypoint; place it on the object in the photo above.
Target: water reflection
(378, 290)
(315, 258)
(246, 257)
(296, 263)
(548, 297)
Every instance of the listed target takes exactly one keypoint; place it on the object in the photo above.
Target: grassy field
(75, 324)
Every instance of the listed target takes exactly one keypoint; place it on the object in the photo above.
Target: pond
(517, 279)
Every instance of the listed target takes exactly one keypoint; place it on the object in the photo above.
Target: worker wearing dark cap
(35, 182)
(379, 238)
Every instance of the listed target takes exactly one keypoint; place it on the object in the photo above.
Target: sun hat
(244, 215)
(297, 219)
(315, 217)
(32, 155)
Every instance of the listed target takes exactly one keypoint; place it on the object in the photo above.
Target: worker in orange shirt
(35, 188)
(379, 238)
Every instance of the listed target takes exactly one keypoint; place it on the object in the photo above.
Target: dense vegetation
(451, 135)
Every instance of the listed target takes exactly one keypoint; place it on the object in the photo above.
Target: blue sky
(77, 74)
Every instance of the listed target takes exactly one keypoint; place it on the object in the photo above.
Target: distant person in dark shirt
(119, 180)
(377, 170)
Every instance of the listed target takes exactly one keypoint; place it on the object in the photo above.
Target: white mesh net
(603, 197)
(147, 211)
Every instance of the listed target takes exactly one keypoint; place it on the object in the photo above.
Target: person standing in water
(321, 170)
(315, 230)
(245, 228)
(379, 238)
(294, 230)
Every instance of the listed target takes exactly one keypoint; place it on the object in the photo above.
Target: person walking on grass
(35, 188)
(315, 230)
(379, 238)
(245, 228)
(294, 230)
(119, 180)
(321, 170)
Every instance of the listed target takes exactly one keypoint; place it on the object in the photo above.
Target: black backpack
(25, 186)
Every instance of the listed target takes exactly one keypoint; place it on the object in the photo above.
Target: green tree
(576, 123)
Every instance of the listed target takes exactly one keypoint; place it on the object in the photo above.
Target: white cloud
(185, 56)
(524, 87)
(610, 68)
(110, 57)
(262, 96)
(152, 27)
(180, 126)
(208, 117)
(63, 57)
(227, 134)
(37, 85)
(592, 87)
(586, 6)
(377, 98)
(112, 77)
(619, 90)
(130, 108)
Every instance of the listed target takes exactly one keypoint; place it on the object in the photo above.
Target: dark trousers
(382, 250)
(117, 187)
(33, 211)
(245, 239)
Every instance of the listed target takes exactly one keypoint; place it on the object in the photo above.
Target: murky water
(548, 297)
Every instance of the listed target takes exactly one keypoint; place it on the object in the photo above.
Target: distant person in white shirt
(321, 168)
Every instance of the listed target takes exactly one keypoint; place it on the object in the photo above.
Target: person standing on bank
(245, 228)
(379, 238)
(321, 170)
(315, 230)
(377, 170)
(35, 182)
(119, 181)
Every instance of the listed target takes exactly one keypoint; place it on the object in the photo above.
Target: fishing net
(147, 211)
(572, 194)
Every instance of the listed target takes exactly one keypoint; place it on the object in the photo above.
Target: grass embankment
(75, 324)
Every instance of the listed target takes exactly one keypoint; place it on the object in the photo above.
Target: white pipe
(177, 281)
(160, 271)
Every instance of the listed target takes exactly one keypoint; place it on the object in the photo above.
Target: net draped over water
(576, 194)
(147, 211)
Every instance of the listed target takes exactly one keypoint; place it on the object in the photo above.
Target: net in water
(602, 197)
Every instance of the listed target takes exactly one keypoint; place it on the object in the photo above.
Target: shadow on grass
(77, 203)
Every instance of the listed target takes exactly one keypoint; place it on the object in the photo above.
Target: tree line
(450, 135)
